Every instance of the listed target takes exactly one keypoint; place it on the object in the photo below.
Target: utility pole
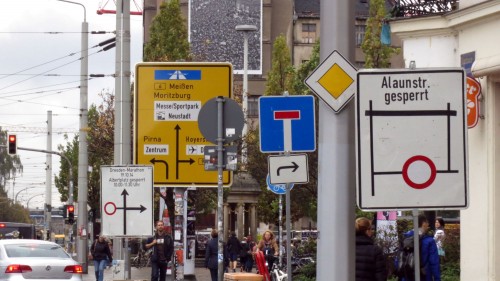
(48, 178)
(123, 128)
(336, 167)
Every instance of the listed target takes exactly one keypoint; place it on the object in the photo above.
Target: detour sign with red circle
(411, 134)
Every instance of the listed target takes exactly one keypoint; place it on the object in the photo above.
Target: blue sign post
(287, 124)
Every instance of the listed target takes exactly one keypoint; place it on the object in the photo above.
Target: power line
(48, 71)
(69, 55)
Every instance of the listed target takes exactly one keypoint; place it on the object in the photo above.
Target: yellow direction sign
(334, 81)
(168, 99)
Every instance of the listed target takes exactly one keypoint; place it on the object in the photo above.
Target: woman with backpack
(370, 261)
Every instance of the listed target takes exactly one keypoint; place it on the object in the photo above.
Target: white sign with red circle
(411, 134)
(127, 200)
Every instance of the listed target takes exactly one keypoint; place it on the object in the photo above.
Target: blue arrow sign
(287, 123)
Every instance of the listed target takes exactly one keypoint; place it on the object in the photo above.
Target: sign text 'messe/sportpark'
(411, 139)
(168, 99)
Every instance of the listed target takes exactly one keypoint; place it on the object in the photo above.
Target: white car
(36, 260)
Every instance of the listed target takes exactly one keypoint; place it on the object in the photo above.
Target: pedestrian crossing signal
(12, 144)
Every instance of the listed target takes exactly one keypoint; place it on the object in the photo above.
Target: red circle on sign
(106, 208)
(412, 160)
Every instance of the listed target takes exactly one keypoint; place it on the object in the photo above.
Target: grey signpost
(230, 123)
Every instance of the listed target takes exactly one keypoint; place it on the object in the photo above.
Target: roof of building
(307, 8)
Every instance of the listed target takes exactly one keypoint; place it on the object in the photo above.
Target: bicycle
(142, 259)
(277, 274)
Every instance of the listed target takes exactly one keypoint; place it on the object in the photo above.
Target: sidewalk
(201, 274)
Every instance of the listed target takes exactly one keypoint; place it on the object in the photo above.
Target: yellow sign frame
(167, 100)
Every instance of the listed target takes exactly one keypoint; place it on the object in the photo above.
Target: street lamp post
(28, 202)
(81, 246)
(26, 188)
(245, 28)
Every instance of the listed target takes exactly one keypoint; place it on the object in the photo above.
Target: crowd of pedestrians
(213, 34)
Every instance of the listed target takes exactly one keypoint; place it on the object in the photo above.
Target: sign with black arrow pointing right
(288, 169)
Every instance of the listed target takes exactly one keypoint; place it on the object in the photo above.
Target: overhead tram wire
(103, 49)
(37, 75)
(91, 76)
(27, 100)
(54, 60)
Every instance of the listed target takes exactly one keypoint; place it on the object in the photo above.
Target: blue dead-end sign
(287, 123)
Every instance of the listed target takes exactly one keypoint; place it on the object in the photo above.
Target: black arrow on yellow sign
(177, 161)
(153, 161)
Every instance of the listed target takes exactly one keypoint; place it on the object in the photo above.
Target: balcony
(419, 8)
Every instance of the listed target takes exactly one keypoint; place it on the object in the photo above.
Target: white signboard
(288, 169)
(411, 133)
(127, 200)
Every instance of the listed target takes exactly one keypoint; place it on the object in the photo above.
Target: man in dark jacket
(211, 255)
(162, 252)
(234, 249)
(370, 261)
(429, 257)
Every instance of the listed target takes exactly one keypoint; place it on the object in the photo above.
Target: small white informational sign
(127, 200)
(411, 134)
(288, 169)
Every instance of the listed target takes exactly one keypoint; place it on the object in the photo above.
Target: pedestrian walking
(233, 249)
(211, 255)
(163, 248)
(439, 236)
(370, 260)
(101, 254)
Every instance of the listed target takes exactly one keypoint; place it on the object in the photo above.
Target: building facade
(465, 35)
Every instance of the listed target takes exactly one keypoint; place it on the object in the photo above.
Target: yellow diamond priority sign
(334, 81)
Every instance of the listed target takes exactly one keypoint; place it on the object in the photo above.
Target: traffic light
(71, 213)
(12, 144)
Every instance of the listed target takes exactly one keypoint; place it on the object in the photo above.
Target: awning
(486, 67)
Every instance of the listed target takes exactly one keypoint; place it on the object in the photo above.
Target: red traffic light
(71, 208)
(12, 144)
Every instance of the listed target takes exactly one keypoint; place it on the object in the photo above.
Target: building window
(360, 34)
(308, 32)
(253, 106)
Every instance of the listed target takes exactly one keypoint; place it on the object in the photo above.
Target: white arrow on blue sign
(287, 123)
(277, 188)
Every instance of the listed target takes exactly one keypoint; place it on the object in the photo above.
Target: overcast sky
(38, 73)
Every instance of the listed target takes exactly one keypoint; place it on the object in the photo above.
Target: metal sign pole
(220, 164)
(416, 243)
(288, 234)
(280, 220)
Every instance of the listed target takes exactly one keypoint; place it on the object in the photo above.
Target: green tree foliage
(10, 166)
(280, 77)
(62, 182)
(168, 35)
(377, 55)
(100, 152)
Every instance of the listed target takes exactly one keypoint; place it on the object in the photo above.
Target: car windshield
(35, 250)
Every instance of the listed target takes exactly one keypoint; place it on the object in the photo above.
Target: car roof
(24, 241)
